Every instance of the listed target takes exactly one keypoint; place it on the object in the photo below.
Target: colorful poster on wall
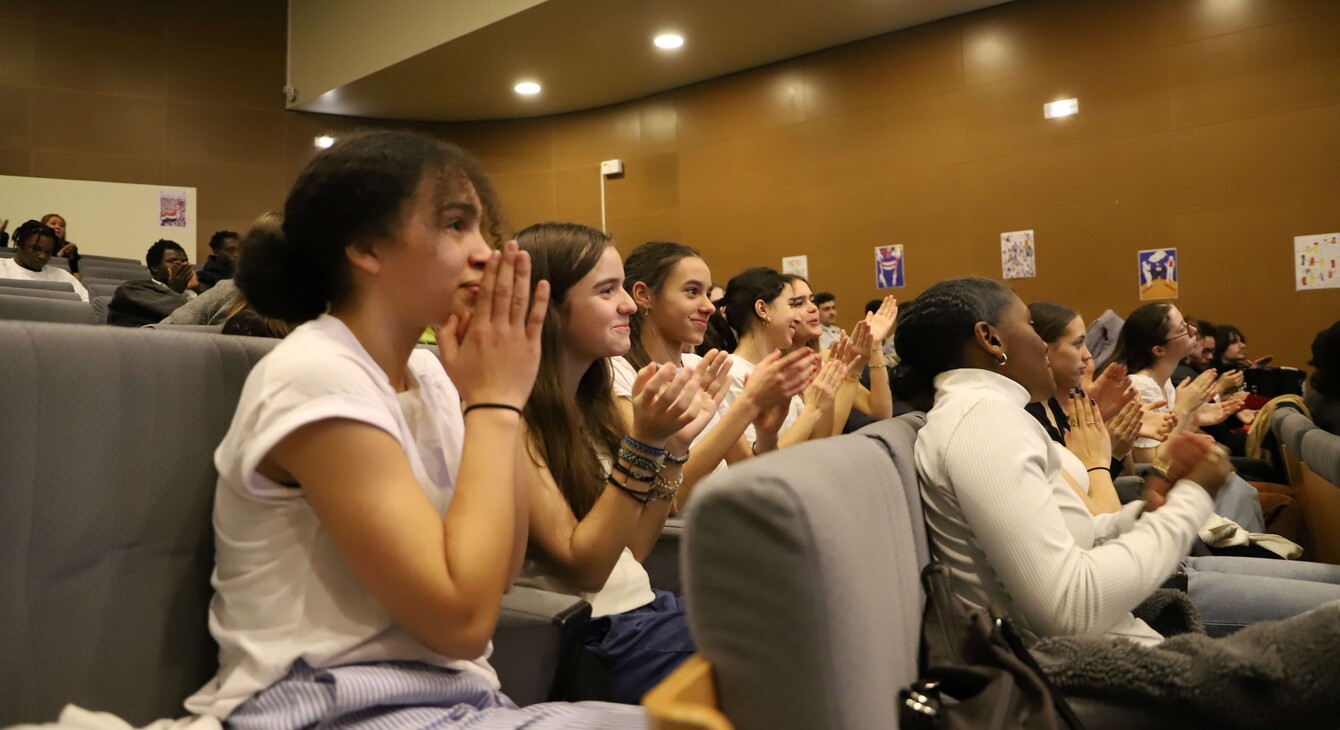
(1316, 262)
(171, 209)
(1158, 274)
(798, 265)
(1018, 258)
(888, 267)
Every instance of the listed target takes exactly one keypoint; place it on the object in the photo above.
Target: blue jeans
(1231, 593)
(1239, 501)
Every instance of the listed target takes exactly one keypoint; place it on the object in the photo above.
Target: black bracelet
(651, 451)
(645, 478)
(1107, 469)
(639, 496)
(677, 460)
(497, 406)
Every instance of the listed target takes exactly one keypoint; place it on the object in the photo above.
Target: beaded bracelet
(632, 475)
(677, 460)
(651, 451)
(640, 462)
(666, 490)
(639, 496)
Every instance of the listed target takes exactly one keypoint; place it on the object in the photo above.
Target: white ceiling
(589, 53)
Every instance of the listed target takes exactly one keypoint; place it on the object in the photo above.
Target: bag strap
(1016, 644)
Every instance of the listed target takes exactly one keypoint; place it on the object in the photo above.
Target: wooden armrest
(686, 700)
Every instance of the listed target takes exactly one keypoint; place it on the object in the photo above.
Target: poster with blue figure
(888, 267)
(1158, 274)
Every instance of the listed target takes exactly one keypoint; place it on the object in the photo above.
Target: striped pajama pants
(389, 695)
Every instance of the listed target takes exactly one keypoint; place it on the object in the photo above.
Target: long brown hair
(570, 433)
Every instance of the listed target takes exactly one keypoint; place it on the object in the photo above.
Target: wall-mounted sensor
(611, 168)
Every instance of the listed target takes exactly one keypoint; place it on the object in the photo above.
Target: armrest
(1129, 489)
(663, 563)
(537, 643)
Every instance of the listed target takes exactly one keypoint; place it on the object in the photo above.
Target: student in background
(828, 316)
(222, 262)
(173, 284)
(63, 247)
(1323, 392)
(368, 518)
(34, 243)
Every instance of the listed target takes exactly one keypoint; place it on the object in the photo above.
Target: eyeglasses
(1188, 330)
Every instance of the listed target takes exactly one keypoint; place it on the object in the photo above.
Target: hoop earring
(767, 320)
(1002, 360)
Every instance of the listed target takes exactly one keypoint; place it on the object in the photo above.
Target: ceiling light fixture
(323, 141)
(668, 41)
(527, 88)
(1062, 108)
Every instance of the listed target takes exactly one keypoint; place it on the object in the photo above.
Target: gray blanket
(1280, 674)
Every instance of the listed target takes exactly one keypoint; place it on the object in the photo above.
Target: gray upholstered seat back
(33, 309)
(1289, 426)
(37, 284)
(802, 581)
(900, 435)
(105, 542)
(1321, 452)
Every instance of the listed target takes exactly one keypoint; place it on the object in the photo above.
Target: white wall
(103, 218)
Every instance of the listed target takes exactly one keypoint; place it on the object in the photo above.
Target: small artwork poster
(1158, 274)
(171, 209)
(797, 265)
(1316, 260)
(888, 267)
(1018, 258)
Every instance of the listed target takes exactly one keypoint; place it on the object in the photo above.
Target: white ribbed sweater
(1015, 535)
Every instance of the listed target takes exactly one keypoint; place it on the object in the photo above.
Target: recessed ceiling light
(1062, 108)
(324, 141)
(668, 40)
(527, 88)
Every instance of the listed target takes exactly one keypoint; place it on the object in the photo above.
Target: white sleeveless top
(628, 587)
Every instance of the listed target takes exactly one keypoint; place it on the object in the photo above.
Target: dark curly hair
(154, 256)
(351, 193)
(934, 328)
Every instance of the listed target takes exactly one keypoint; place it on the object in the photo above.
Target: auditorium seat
(1319, 495)
(30, 284)
(61, 296)
(135, 272)
(1289, 426)
(802, 578)
(106, 545)
(99, 289)
(33, 309)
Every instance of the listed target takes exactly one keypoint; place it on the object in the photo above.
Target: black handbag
(977, 672)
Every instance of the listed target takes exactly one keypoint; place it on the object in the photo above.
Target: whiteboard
(104, 218)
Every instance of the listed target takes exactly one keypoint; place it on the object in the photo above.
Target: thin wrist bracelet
(492, 406)
(651, 451)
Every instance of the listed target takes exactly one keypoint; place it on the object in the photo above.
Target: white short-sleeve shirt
(1151, 392)
(11, 270)
(282, 591)
(740, 369)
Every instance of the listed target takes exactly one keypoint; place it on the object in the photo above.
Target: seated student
(1323, 392)
(1014, 534)
(366, 524)
(600, 489)
(874, 402)
(63, 247)
(174, 283)
(668, 283)
(755, 320)
(34, 242)
(1068, 356)
(1230, 350)
(221, 263)
(830, 332)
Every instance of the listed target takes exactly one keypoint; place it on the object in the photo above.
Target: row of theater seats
(57, 301)
(800, 568)
(1311, 458)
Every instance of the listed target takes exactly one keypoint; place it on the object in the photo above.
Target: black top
(1325, 411)
(1063, 422)
(213, 272)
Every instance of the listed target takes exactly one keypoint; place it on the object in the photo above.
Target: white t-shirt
(11, 270)
(282, 591)
(1151, 392)
(625, 376)
(627, 588)
(741, 368)
(1014, 533)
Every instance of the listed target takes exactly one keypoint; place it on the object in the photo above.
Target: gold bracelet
(666, 490)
